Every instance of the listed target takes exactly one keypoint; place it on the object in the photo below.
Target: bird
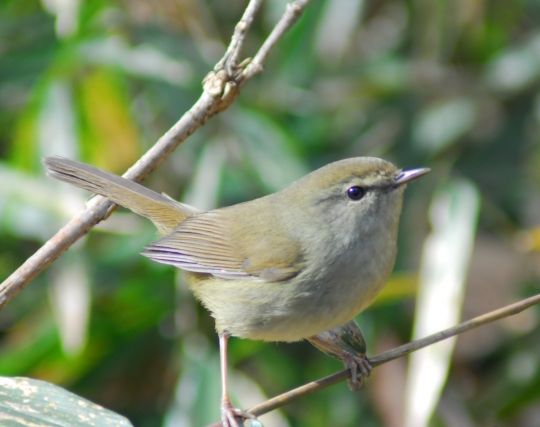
(296, 264)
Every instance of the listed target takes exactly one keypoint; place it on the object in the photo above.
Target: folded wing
(227, 245)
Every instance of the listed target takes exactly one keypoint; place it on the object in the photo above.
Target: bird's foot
(359, 367)
(234, 417)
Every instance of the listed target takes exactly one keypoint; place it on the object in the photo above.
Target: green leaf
(30, 402)
(443, 277)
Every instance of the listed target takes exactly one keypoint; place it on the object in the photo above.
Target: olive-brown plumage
(283, 267)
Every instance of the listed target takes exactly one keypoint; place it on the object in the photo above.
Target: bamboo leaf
(30, 402)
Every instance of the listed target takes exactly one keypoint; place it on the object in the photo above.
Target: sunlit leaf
(27, 402)
(144, 60)
(444, 123)
(339, 21)
(398, 286)
(66, 13)
(529, 240)
(516, 68)
(57, 130)
(70, 296)
(443, 273)
(111, 137)
(32, 206)
(204, 189)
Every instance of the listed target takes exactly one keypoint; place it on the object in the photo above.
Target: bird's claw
(234, 417)
(359, 367)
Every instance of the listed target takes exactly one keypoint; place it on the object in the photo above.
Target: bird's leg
(347, 344)
(230, 416)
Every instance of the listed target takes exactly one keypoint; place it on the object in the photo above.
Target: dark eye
(355, 192)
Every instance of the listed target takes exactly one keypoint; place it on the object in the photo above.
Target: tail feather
(163, 211)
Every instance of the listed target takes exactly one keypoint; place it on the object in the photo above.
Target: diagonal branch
(387, 356)
(292, 14)
(231, 58)
(220, 89)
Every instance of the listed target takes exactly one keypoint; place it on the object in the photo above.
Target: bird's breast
(316, 300)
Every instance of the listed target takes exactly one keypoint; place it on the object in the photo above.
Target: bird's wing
(229, 245)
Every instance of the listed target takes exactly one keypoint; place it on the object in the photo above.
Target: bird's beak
(405, 176)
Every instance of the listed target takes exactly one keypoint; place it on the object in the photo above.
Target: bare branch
(291, 15)
(232, 55)
(395, 353)
(219, 91)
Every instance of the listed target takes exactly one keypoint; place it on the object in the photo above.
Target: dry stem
(395, 353)
(220, 89)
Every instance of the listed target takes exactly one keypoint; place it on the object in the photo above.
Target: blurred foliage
(453, 85)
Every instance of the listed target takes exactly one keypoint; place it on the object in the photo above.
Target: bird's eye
(356, 192)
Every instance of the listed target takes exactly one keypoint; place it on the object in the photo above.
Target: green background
(449, 84)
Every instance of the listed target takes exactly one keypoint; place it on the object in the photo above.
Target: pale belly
(280, 311)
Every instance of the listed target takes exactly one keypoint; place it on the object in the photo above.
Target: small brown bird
(293, 265)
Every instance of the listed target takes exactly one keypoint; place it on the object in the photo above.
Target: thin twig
(232, 55)
(387, 356)
(292, 14)
(214, 99)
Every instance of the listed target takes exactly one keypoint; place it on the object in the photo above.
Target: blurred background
(452, 84)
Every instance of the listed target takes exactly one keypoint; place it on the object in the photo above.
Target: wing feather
(216, 243)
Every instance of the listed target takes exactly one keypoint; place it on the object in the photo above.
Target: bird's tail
(163, 211)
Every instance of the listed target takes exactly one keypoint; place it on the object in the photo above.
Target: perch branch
(387, 356)
(220, 89)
